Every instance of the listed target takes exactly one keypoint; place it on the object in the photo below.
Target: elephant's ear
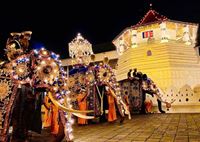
(24, 44)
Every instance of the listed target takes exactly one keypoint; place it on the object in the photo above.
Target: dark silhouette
(129, 74)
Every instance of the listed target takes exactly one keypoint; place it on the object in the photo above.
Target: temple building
(165, 50)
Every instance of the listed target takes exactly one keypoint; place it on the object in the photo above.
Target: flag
(147, 34)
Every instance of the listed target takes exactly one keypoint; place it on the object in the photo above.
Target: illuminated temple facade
(165, 50)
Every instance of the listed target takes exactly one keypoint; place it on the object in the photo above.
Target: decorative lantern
(80, 50)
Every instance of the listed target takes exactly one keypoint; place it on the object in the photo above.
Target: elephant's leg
(22, 114)
(18, 124)
(120, 113)
(61, 134)
(66, 127)
(160, 106)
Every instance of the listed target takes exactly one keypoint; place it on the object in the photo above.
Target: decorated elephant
(25, 78)
(146, 85)
(150, 87)
(94, 83)
(100, 85)
(98, 80)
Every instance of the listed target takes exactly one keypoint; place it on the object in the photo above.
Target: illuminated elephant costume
(94, 79)
(143, 85)
(25, 78)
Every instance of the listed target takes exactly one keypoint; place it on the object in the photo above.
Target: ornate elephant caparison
(95, 79)
(25, 77)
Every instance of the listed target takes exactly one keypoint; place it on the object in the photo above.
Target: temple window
(149, 53)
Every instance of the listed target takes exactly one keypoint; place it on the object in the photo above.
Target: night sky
(56, 23)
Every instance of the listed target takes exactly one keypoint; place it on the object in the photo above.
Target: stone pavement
(141, 128)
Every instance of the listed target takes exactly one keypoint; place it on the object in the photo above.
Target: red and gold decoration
(5, 87)
(90, 77)
(7, 93)
(47, 68)
(21, 69)
(104, 73)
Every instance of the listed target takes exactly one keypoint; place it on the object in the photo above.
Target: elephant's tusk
(57, 104)
(83, 116)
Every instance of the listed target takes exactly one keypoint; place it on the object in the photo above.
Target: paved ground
(141, 128)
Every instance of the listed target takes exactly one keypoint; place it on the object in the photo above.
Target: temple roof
(151, 16)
